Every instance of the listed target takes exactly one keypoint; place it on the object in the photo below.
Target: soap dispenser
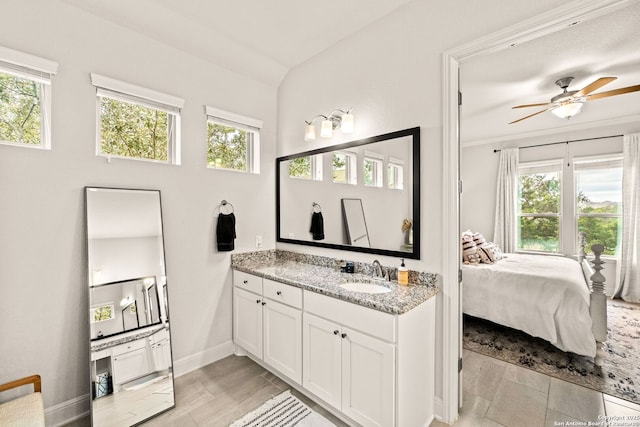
(403, 274)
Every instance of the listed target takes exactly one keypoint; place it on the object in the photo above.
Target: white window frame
(594, 162)
(250, 125)
(95, 307)
(395, 169)
(316, 169)
(377, 170)
(131, 93)
(41, 71)
(351, 168)
(554, 165)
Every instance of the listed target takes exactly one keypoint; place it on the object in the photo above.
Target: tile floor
(497, 393)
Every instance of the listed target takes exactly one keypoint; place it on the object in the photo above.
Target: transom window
(345, 168)
(307, 167)
(373, 170)
(136, 123)
(25, 99)
(539, 208)
(233, 141)
(102, 313)
(395, 174)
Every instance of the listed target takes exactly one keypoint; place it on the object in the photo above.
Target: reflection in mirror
(382, 172)
(130, 346)
(354, 223)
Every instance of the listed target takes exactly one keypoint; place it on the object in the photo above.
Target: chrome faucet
(378, 270)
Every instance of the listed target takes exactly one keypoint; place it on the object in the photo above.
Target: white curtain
(628, 283)
(505, 225)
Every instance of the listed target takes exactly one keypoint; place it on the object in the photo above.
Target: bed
(555, 298)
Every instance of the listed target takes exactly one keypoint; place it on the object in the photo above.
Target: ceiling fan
(568, 103)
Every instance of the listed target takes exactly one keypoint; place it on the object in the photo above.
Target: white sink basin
(365, 287)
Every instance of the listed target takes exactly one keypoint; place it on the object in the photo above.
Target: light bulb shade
(567, 111)
(347, 123)
(326, 131)
(310, 133)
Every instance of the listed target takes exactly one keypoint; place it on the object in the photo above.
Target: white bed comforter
(544, 296)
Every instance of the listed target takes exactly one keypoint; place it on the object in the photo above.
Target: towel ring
(316, 207)
(223, 204)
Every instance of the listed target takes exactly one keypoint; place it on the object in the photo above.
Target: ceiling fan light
(566, 111)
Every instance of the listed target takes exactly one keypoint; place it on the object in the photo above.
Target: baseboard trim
(196, 361)
(67, 411)
(79, 407)
(437, 408)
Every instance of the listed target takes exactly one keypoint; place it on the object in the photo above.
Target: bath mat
(618, 376)
(282, 411)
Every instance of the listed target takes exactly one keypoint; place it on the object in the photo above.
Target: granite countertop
(113, 341)
(326, 279)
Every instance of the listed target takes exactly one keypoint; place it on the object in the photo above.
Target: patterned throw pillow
(469, 250)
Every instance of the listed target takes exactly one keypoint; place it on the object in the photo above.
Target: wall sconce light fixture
(336, 119)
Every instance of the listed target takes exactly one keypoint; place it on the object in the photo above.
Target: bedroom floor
(498, 393)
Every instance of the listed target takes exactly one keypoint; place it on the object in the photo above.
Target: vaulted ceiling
(263, 39)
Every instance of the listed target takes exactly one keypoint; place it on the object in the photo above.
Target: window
(539, 207)
(307, 167)
(25, 99)
(395, 174)
(233, 141)
(599, 201)
(102, 313)
(136, 123)
(373, 170)
(344, 168)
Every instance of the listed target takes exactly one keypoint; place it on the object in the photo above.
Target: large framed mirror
(131, 368)
(371, 186)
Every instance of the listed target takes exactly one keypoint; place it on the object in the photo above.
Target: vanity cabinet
(130, 361)
(268, 322)
(375, 368)
(352, 370)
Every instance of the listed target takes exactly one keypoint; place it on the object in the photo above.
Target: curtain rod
(563, 142)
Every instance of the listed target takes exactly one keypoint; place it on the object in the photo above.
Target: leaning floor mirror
(131, 369)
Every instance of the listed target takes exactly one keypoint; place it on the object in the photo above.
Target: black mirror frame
(415, 134)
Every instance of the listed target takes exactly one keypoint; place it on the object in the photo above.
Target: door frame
(538, 26)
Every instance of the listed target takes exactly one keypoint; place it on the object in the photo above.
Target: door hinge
(459, 365)
(460, 187)
(459, 98)
(459, 276)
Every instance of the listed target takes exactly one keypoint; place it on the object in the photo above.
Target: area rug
(619, 376)
(281, 411)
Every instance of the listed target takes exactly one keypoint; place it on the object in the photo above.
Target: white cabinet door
(247, 321)
(368, 379)
(283, 339)
(129, 366)
(322, 358)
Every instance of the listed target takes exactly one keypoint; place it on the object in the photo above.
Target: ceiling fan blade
(595, 86)
(543, 104)
(614, 92)
(530, 115)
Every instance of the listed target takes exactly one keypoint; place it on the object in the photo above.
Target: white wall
(43, 274)
(390, 73)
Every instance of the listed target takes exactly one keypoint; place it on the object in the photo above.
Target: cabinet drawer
(247, 281)
(367, 320)
(285, 294)
(129, 346)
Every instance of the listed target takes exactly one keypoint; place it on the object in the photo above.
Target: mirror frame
(164, 289)
(415, 134)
